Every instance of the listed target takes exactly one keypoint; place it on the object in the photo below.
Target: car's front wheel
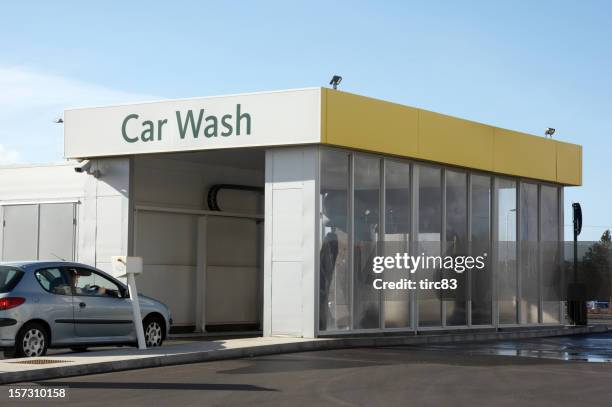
(32, 340)
(153, 331)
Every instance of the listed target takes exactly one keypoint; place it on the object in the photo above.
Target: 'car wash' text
(189, 124)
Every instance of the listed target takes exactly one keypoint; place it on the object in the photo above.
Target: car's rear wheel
(153, 331)
(32, 340)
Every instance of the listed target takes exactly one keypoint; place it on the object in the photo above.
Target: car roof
(32, 265)
(36, 264)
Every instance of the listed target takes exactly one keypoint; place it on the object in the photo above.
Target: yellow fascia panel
(368, 124)
(455, 141)
(569, 164)
(524, 155)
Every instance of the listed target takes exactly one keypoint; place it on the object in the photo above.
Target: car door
(101, 312)
(54, 304)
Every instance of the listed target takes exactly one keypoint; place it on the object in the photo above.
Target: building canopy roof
(316, 116)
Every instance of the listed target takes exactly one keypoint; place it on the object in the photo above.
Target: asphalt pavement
(486, 373)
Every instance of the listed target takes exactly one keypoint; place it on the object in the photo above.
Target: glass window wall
(550, 251)
(505, 190)
(529, 275)
(429, 239)
(334, 275)
(397, 240)
(456, 241)
(450, 212)
(366, 215)
(481, 280)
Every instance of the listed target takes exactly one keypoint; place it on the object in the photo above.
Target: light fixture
(58, 120)
(549, 132)
(335, 81)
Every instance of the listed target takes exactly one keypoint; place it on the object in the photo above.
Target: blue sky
(523, 65)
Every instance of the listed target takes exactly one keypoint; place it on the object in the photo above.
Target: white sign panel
(262, 119)
(124, 265)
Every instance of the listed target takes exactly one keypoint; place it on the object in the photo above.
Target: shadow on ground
(154, 386)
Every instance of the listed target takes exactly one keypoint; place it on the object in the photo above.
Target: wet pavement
(536, 372)
(174, 340)
(586, 348)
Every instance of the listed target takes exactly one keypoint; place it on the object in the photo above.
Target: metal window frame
(408, 164)
(491, 250)
(520, 210)
(495, 239)
(444, 243)
(382, 205)
(494, 252)
(468, 299)
(539, 258)
(317, 246)
(380, 159)
(418, 166)
(349, 213)
(560, 238)
(560, 234)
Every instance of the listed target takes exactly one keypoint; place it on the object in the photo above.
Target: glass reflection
(481, 295)
(334, 278)
(506, 259)
(550, 251)
(456, 241)
(397, 238)
(530, 298)
(366, 299)
(430, 228)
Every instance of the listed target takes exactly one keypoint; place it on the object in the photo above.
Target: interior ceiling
(245, 158)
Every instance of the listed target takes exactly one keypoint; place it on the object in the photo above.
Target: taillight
(10, 302)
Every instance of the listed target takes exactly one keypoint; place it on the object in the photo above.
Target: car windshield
(9, 277)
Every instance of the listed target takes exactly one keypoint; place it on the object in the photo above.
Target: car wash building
(264, 211)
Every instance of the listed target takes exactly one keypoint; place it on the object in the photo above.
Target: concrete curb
(262, 350)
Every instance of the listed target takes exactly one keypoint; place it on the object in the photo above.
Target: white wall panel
(232, 242)
(166, 238)
(166, 183)
(287, 298)
(231, 200)
(183, 181)
(287, 225)
(20, 237)
(289, 263)
(56, 231)
(232, 272)
(114, 176)
(86, 223)
(174, 286)
(167, 244)
(109, 228)
(231, 297)
(110, 194)
(288, 165)
(41, 183)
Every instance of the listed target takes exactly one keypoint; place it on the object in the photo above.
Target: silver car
(70, 305)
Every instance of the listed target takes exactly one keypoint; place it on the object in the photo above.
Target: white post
(201, 275)
(128, 267)
(136, 311)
